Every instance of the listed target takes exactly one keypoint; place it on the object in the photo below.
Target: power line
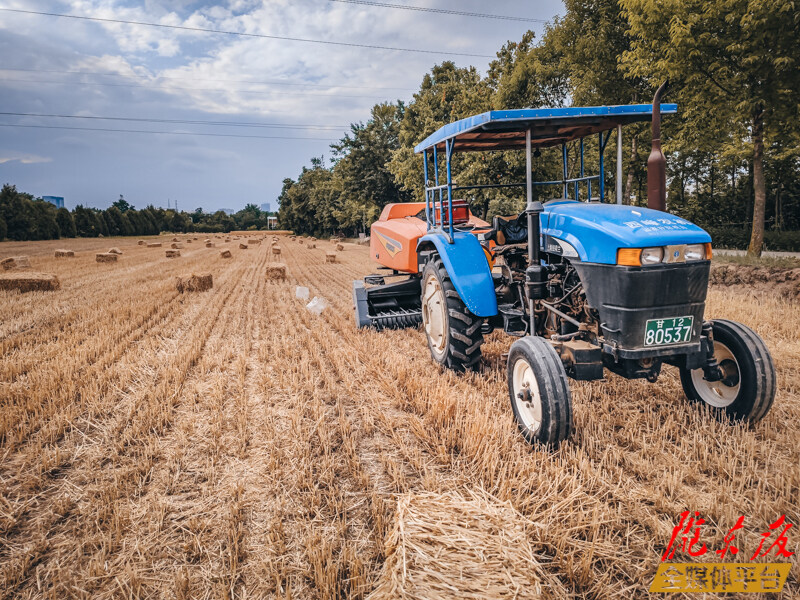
(191, 89)
(241, 34)
(231, 135)
(254, 82)
(180, 121)
(442, 11)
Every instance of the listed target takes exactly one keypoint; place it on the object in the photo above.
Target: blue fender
(468, 269)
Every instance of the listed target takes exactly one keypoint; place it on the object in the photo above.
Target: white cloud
(25, 159)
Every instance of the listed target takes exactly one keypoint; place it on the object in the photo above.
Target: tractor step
(387, 305)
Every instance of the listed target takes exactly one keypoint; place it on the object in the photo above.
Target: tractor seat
(506, 231)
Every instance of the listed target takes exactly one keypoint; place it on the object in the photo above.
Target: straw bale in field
(173, 253)
(210, 244)
(141, 243)
(154, 245)
(339, 247)
(255, 241)
(189, 241)
(242, 246)
(64, 253)
(176, 245)
(104, 257)
(114, 251)
(16, 262)
(452, 546)
(175, 239)
(312, 245)
(227, 240)
(226, 254)
(29, 282)
(330, 257)
(276, 250)
(276, 271)
(194, 283)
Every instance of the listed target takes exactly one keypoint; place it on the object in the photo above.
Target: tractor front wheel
(747, 389)
(539, 391)
(453, 332)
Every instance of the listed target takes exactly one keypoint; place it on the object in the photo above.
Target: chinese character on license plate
(661, 332)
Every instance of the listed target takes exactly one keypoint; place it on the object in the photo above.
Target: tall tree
(738, 55)
(65, 222)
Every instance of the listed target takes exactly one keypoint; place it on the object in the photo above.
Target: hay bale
(256, 241)
(188, 241)
(29, 282)
(194, 283)
(210, 244)
(114, 251)
(154, 245)
(173, 253)
(176, 245)
(227, 240)
(313, 239)
(276, 271)
(276, 251)
(311, 245)
(339, 247)
(141, 243)
(16, 262)
(105, 257)
(242, 246)
(466, 547)
(330, 257)
(175, 239)
(64, 253)
(226, 254)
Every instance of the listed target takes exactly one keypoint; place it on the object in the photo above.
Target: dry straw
(173, 253)
(154, 245)
(176, 245)
(209, 244)
(194, 283)
(29, 282)
(276, 251)
(466, 547)
(114, 251)
(330, 257)
(226, 254)
(276, 271)
(64, 253)
(105, 257)
(242, 246)
(339, 247)
(15, 262)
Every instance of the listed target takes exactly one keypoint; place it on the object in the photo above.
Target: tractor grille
(396, 319)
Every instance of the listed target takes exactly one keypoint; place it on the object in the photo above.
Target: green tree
(122, 205)
(740, 57)
(3, 229)
(65, 222)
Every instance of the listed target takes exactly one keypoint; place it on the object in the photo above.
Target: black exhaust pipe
(656, 163)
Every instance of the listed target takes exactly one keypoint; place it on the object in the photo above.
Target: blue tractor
(586, 285)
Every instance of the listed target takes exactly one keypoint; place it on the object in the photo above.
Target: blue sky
(71, 67)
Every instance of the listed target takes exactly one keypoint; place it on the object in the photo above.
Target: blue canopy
(505, 129)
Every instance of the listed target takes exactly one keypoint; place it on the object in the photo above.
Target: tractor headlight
(652, 256)
(695, 252)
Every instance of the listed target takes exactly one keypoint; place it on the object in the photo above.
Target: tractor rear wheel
(453, 332)
(539, 391)
(747, 389)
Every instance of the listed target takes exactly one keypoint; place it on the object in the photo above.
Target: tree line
(733, 151)
(24, 217)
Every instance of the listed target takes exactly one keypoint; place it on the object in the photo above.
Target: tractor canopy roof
(505, 129)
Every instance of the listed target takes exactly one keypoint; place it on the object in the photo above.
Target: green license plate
(662, 332)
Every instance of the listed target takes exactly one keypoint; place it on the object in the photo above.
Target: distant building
(228, 211)
(265, 207)
(57, 200)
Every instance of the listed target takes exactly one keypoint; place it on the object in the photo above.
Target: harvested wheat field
(233, 444)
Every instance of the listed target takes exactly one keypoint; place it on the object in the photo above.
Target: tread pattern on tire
(765, 379)
(465, 338)
(554, 388)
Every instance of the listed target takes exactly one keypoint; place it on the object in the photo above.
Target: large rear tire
(747, 391)
(539, 392)
(453, 332)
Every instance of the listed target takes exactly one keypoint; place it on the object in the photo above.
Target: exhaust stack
(656, 163)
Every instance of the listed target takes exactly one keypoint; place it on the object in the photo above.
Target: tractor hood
(598, 230)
